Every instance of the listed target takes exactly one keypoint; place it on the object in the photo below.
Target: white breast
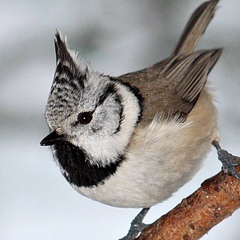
(161, 158)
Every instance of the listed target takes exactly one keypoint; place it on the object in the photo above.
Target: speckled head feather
(77, 90)
(67, 84)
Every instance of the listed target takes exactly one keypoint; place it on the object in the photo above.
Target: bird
(133, 140)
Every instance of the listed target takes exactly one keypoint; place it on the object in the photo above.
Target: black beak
(51, 139)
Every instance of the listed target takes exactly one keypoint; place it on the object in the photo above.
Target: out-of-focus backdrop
(116, 37)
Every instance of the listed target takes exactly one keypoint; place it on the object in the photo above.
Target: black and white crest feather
(113, 105)
(67, 85)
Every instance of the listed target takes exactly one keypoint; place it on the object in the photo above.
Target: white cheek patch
(109, 113)
(103, 148)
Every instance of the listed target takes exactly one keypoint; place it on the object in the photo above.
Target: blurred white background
(116, 37)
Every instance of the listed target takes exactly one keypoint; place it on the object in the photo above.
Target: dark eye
(85, 117)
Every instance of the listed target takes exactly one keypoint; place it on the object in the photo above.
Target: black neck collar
(79, 170)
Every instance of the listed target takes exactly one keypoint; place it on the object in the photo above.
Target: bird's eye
(85, 117)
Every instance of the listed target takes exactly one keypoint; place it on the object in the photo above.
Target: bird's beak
(52, 138)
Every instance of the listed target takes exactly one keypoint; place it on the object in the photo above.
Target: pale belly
(161, 159)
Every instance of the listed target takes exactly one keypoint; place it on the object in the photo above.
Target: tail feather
(195, 28)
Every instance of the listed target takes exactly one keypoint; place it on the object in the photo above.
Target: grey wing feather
(189, 74)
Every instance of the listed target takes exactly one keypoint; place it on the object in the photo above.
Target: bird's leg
(137, 225)
(229, 162)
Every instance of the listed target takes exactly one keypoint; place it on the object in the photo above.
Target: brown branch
(216, 199)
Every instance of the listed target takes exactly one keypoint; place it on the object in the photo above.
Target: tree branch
(216, 199)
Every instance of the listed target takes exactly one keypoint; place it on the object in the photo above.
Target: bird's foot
(229, 162)
(137, 225)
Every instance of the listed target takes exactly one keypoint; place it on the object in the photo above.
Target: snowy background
(116, 37)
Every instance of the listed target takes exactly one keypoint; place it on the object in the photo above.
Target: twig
(216, 199)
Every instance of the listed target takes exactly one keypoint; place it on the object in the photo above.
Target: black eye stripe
(110, 89)
(120, 121)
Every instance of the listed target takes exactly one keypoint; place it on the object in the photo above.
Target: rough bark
(216, 199)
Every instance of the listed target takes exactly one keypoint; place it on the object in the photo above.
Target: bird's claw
(229, 161)
(137, 226)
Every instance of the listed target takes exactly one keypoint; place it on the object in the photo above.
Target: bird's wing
(173, 85)
(176, 87)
